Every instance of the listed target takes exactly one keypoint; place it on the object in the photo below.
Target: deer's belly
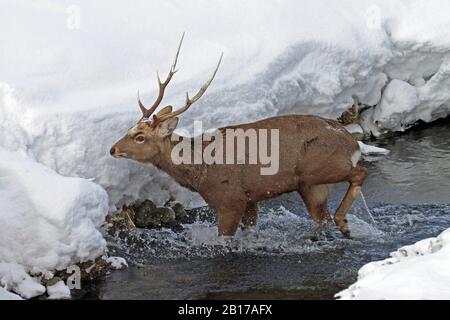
(267, 187)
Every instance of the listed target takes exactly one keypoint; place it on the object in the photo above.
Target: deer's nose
(112, 151)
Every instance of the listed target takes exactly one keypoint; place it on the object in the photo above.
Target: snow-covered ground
(70, 70)
(418, 271)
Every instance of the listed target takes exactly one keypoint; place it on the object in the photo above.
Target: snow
(419, 271)
(117, 262)
(69, 91)
(70, 73)
(58, 291)
(6, 295)
(354, 128)
(399, 98)
(372, 150)
(47, 222)
(46, 213)
(13, 277)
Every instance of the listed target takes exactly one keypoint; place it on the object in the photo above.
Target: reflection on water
(407, 192)
(416, 171)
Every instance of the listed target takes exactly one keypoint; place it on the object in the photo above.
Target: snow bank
(48, 214)
(76, 78)
(77, 145)
(47, 222)
(13, 277)
(399, 99)
(419, 271)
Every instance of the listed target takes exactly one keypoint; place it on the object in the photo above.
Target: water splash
(366, 208)
(279, 231)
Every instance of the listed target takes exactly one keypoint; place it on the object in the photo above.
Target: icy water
(408, 193)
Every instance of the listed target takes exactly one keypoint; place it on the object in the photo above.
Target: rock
(147, 215)
(180, 213)
(119, 221)
(89, 271)
(166, 216)
(352, 115)
(92, 270)
(147, 205)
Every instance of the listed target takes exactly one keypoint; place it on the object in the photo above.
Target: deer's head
(148, 138)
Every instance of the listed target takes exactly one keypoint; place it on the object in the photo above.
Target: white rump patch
(355, 157)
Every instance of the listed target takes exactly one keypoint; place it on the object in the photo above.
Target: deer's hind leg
(357, 176)
(316, 201)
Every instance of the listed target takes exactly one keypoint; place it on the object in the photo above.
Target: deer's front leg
(229, 204)
(229, 211)
(229, 220)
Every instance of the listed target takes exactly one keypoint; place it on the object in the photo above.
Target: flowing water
(407, 193)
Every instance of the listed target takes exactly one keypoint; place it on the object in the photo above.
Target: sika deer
(313, 153)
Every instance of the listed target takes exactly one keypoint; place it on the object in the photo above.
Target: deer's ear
(167, 127)
(164, 110)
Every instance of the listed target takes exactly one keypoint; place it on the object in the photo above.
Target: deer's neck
(189, 175)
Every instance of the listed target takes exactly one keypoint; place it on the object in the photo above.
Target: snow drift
(76, 78)
(48, 222)
(418, 271)
(48, 214)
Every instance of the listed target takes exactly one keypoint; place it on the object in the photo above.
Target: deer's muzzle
(116, 153)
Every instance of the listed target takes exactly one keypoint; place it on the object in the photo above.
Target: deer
(314, 154)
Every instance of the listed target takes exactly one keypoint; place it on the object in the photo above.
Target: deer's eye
(139, 139)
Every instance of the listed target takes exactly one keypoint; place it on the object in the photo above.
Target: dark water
(408, 193)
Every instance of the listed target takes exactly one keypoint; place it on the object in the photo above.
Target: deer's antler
(162, 86)
(189, 101)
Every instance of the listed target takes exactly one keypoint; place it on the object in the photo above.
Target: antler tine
(141, 105)
(190, 101)
(162, 85)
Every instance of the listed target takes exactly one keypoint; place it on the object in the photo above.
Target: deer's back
(312, 150)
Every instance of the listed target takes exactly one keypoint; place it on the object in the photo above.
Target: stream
(407, 193)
